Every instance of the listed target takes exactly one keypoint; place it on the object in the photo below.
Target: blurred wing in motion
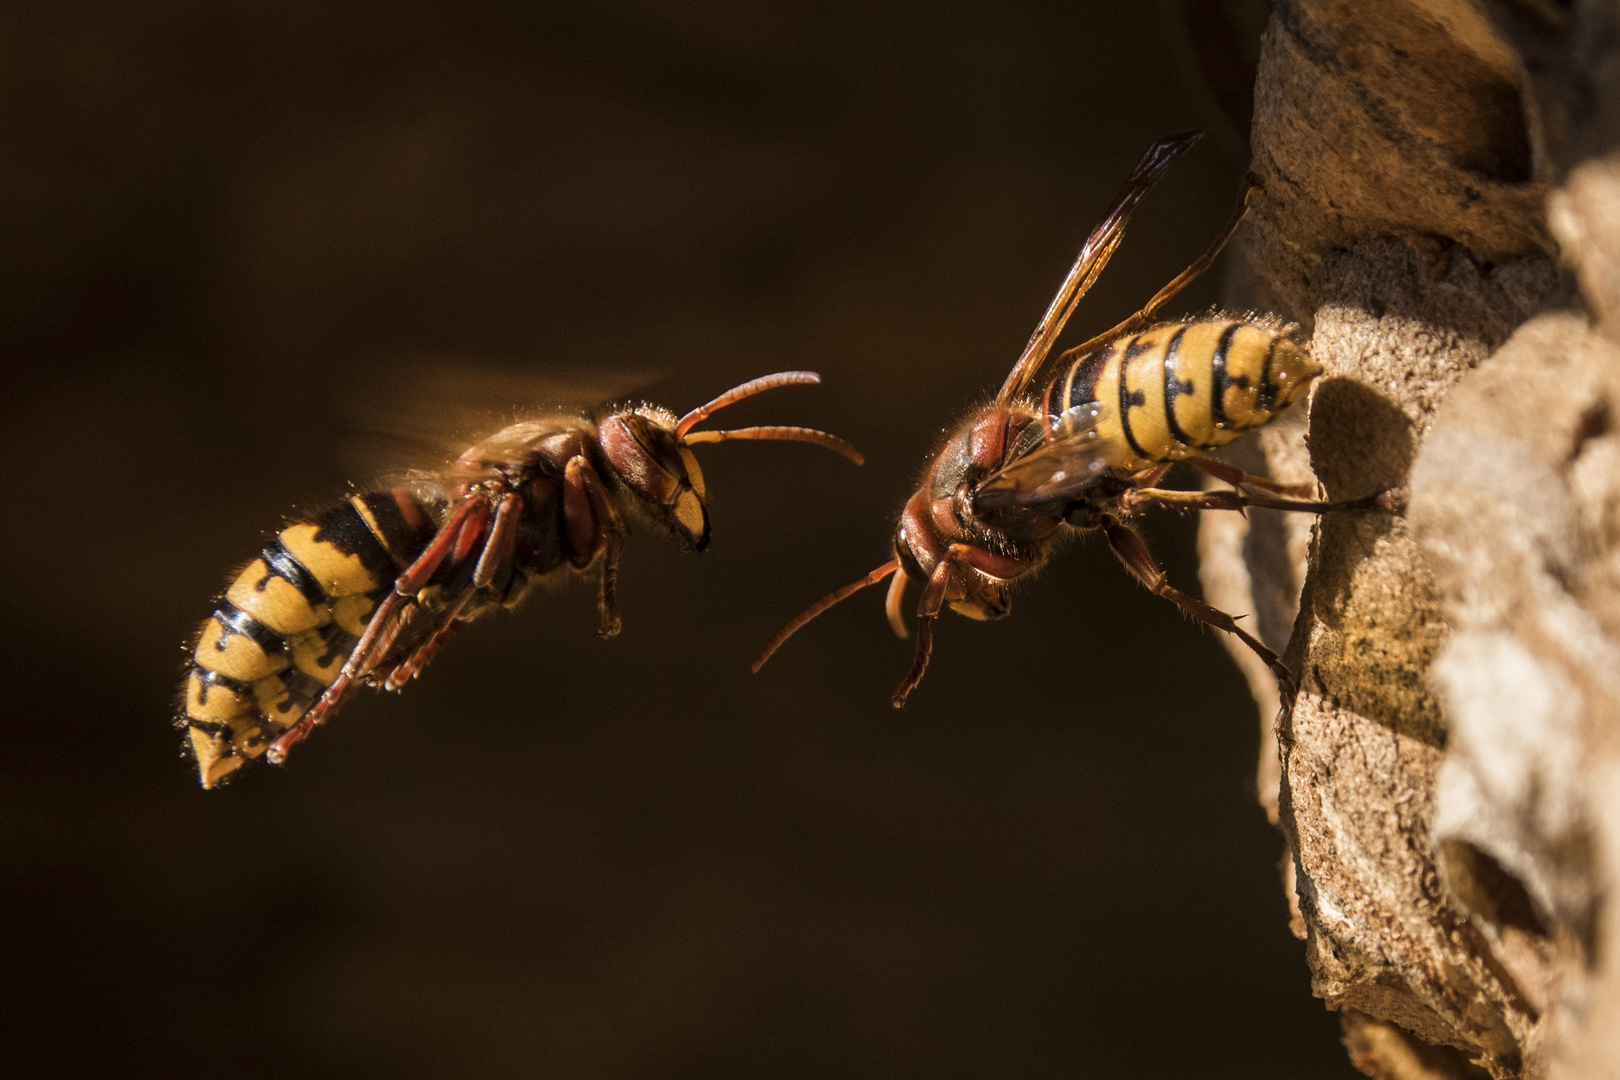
(1061, 467)
(1094, 255)
(431, 410)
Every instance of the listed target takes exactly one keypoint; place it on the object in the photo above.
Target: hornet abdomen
(287, 623)
(1177, 389)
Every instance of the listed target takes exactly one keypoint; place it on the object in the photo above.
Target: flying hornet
(1088, 450)
(367, 592)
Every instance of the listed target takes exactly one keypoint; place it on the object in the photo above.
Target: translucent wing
(432, 408)
(1094, 255)
(1061, 467)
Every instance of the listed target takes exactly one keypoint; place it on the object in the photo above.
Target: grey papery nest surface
(1440, 208)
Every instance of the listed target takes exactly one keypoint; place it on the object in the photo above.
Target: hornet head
(648, 449)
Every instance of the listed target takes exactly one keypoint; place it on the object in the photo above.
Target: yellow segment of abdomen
(274, 601)
(337, 573)
(213, 702)
(1178, 389)
(235, 655)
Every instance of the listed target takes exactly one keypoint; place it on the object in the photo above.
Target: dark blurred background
(230, 227)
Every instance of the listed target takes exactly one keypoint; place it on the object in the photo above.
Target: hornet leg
(1139, 498)
(496, 556)
(602, 528)
(1150, 477)
(928, 608)
(934, 595)
(1134, 554)
(1220, 470)
(413, 664)
(459, 530)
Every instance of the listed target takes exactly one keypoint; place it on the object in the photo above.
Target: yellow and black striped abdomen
(286, 625)
(1177, 389)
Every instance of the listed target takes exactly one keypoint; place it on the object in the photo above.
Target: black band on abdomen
(403, 541)
(213, 678)
(237, 621)
(1081, 382)
(285, 565)
(344, 528)
(1219, 381)
(1267, 398)
(1174, 387)
(1128, 398)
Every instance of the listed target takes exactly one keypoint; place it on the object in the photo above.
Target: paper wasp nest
(1435, 173)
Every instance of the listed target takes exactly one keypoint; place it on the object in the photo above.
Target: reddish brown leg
(502, 542)
(919, 662)
(466, 520)
(277, 754)
(384, 644)
(328, 701)
(1220, 470)
(472, 535)
(425, 652)
(582, 530)
(1139, 498)
(1134, 554)
(607, 532)
(498, 547)
(416, 575)
(1149, 477)
(929, 606)
(938, 591)
(928, 609)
